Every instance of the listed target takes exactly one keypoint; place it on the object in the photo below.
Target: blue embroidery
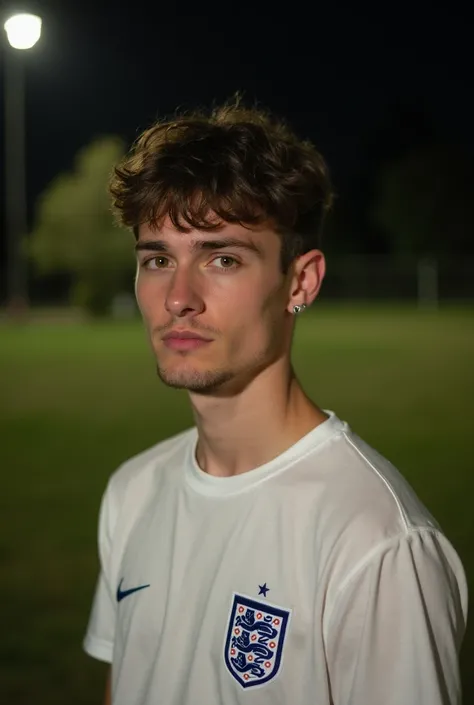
(254, 643)
(124, 593)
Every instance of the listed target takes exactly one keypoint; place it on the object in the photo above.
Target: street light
(23, 31)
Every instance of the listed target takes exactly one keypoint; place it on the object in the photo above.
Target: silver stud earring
(298, 308)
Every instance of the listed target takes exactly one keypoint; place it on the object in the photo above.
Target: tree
(74, 229)
(423, 202)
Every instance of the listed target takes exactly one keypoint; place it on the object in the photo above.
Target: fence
(426, 281)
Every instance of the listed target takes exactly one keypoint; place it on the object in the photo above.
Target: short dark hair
(239, 164)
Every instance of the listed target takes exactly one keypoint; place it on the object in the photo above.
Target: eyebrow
(200, 245)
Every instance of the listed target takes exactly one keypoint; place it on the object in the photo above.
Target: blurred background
(386, 95)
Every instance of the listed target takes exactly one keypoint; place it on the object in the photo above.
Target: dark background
(365, 83)
(368, 84)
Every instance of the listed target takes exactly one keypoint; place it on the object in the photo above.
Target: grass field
(76, 400)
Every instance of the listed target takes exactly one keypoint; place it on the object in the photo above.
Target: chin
(194, 379)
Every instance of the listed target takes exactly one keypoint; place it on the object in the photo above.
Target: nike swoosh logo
(125, 593)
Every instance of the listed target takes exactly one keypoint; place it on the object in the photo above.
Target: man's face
(225, 286)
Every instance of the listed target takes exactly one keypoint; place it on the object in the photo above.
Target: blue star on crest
(263, 589)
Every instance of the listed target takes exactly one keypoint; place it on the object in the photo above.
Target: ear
(308, 274)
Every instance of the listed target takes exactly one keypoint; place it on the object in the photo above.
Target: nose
(182, 297)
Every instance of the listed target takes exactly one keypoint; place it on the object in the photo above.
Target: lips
(184, 340)
(184, 335)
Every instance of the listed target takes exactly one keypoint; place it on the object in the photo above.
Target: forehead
(263, 235)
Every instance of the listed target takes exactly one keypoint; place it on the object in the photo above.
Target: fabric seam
(366, 560)
(387, 484)
(194, 482)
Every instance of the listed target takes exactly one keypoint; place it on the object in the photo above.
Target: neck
(241, 432)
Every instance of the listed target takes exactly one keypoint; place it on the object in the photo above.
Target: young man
(267, 555)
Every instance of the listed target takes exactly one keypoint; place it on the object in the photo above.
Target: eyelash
(236, 263)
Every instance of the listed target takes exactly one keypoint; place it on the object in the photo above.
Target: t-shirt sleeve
(397, 626)
(99, 639)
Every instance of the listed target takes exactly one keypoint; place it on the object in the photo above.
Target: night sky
(362, 83)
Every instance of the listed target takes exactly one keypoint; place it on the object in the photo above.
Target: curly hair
(233, 165)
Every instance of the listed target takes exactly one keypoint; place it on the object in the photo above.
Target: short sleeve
(397, 626)
(99, 638)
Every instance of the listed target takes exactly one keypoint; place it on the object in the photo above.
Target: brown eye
(226, 262)
(156, 263)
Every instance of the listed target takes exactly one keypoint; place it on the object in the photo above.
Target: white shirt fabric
(318, 578)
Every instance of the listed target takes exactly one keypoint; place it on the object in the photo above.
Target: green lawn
(76, 400)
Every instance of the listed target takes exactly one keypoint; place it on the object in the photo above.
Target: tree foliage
(75, 232)
(423, 202)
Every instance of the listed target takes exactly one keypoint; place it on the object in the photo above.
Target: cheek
(252, 325)
(149, 297)
(139, 294)
(256, 303)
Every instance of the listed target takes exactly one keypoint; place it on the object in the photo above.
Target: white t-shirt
(316, 579)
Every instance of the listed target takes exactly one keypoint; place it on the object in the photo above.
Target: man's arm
(99, 638)
(108, 690)
(397, 625)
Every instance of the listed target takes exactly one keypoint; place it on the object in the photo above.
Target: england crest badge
(254, 642)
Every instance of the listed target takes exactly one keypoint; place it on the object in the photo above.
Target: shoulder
(417, 573)
(370, 515)
(151, 460)
(372, 495)
(136, 480)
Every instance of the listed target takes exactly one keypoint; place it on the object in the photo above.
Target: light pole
(23, 31)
